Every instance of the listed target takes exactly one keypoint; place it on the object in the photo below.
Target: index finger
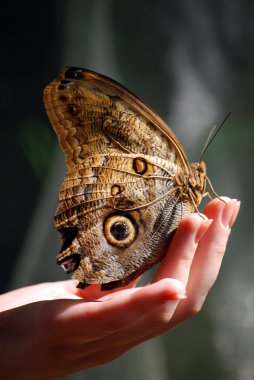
(178, 260)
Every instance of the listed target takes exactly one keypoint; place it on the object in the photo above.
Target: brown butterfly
(128, 183)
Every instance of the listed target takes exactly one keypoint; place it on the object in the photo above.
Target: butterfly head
(197, 182)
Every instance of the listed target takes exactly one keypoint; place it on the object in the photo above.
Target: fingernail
(230, 212)
(202, 229)
(180, 296)
(235, 213)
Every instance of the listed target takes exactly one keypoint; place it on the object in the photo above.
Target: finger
(89, 321)
(148, 325)
(208, 258)
(35, 293)
(204, 269)
(177, 262)
(158, 314)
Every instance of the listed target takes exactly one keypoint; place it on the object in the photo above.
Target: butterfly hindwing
(120, 200)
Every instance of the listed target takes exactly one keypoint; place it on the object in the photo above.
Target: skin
(53, 329)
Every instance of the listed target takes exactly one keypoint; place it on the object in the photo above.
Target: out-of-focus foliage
(37, 144)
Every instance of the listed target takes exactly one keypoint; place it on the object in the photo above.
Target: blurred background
(192, 62)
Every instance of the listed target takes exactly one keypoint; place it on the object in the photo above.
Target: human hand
(53, 329)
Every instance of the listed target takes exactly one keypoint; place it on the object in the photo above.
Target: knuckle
(195, 308)
(162, 318)
(220, 250)
(220, 245)
(187, 261)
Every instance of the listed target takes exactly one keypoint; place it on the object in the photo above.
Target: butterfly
(128, 181)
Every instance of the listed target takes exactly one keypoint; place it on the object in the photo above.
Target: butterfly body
(128, 183)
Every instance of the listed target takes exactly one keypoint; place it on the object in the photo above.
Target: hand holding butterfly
(52, 329)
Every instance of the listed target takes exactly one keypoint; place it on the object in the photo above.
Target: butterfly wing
(91, 113)
(119, 202)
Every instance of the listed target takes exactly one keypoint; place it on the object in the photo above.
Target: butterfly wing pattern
(128, 181)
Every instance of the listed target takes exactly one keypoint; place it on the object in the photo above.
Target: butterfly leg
(213, 191)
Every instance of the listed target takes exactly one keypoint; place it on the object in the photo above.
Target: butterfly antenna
(212, 136)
